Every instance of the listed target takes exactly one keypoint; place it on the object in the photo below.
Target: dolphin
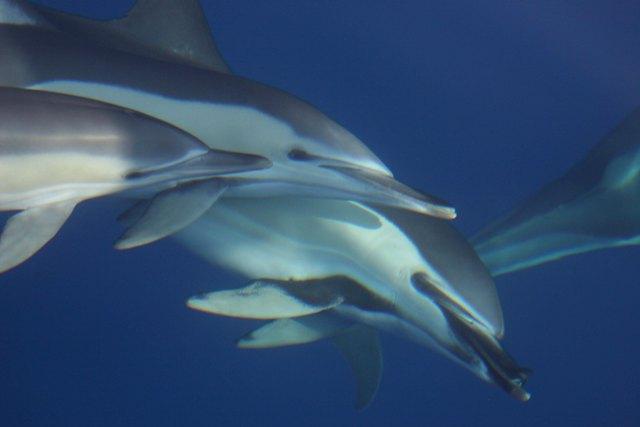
(160, 59)
(57, 150)
(342, 270)
(595, 205)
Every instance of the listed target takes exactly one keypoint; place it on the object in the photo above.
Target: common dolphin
(329, 267)
(160, 60)
(58, 150)
(595, 205)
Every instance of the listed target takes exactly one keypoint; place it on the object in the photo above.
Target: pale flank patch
(221, 126)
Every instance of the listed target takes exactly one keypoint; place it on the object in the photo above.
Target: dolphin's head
(312, 154)
(439, 320)
(446, 299)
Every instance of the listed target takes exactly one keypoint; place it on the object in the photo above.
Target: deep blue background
(477, 102)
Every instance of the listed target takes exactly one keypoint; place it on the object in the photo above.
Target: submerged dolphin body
(595, 205)
(160, 60)
(330, 268)
(57, 150)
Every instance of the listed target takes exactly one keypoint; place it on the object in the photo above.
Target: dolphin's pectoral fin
(133, 214)
(28, 231)
(265, 299)
(360, 345)
(301, 330)
(170, 211)
(171, 30)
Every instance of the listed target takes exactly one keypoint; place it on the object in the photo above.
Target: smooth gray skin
(58, 150)
(55, 147)
(595, 205)
(311, 154)
(449, 253)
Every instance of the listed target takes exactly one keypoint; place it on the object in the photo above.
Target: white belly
(35, 179)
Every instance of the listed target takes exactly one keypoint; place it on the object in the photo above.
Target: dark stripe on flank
(317, 292)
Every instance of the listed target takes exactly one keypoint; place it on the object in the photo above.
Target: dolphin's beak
(385, 190)
(211, 163)
(498, 366)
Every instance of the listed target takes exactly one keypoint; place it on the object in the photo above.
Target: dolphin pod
(595, 205)
(310, 153)
(260, 182)
(57, 150)
(323, 267)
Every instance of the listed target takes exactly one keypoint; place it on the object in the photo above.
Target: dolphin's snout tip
(197, 302)
(385, 190)
(441, 211)
(521, 394)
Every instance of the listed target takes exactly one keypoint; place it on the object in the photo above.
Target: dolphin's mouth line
(501, 368)
(392, 191)
(209, 164)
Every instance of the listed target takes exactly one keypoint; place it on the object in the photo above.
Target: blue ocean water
(477, 102)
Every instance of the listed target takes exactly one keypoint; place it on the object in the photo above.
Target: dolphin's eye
(300, 155)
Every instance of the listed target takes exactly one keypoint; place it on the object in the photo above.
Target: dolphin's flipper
(28, 231)
(133, 214)
(172, 30)
(360, 345)
(171, 211)
(268, 300)
(301, 330)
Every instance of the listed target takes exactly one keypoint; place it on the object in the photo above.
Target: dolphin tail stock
(359, 345)
(26, 232)
(168, 212)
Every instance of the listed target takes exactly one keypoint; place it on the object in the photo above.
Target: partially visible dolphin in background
(341, 270)
(160, 59)
(595, 205)
(58, 150)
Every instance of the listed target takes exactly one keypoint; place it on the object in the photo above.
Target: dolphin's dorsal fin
(171, 30)
(360, 345)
